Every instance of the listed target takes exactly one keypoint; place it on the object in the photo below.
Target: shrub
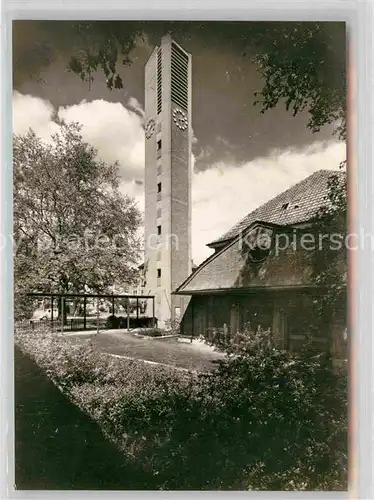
(112, 322)
(282, 417)
(173, 326)
(263, 419)
(24, 306)
(145, 322)
(75, 364)
(121, 322)
(152, 332)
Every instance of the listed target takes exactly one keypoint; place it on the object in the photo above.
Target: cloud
(33, 112)
(194, 138)
(134, 105)
(136, 191)
(115, 131)
(222, 193)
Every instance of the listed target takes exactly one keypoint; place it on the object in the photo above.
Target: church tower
(168, 138)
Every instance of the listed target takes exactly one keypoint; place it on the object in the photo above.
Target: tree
(302, 64)
(73, 228)
(329, 259)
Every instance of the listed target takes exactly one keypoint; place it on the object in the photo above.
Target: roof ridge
(228, 236)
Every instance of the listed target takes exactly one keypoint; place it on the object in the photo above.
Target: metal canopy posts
(61, 297)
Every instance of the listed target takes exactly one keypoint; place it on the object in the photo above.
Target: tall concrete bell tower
(168, 138)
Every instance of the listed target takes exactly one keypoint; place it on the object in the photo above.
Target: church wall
(289, 315)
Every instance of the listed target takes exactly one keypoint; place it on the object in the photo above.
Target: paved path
(167, 351)
(57, 446)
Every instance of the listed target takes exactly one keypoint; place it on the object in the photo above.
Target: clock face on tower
(150, 128)
(180, 118)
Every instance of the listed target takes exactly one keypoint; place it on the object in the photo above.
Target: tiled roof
(297, 204)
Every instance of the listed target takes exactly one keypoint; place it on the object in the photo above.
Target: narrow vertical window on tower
(179, 77)
(158, 277)
(159, 149)
(159, 81)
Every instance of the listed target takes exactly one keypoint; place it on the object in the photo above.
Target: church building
(262, 274)
(242, 282)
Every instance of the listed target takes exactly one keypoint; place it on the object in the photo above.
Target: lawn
(190, 356)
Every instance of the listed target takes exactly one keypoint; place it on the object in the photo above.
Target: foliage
(302, 64)
(152, 332)
(73, 228)
(102, 49)
(113, 321)
(23, 306)
(263, 419)
(329, 260)
(173, 326)
(70, 364)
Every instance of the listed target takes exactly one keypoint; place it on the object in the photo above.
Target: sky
(241, 157)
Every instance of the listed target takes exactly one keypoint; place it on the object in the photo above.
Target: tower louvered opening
(159, 80)
(179, 77)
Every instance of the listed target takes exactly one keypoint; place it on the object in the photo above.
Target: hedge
(263, 419)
